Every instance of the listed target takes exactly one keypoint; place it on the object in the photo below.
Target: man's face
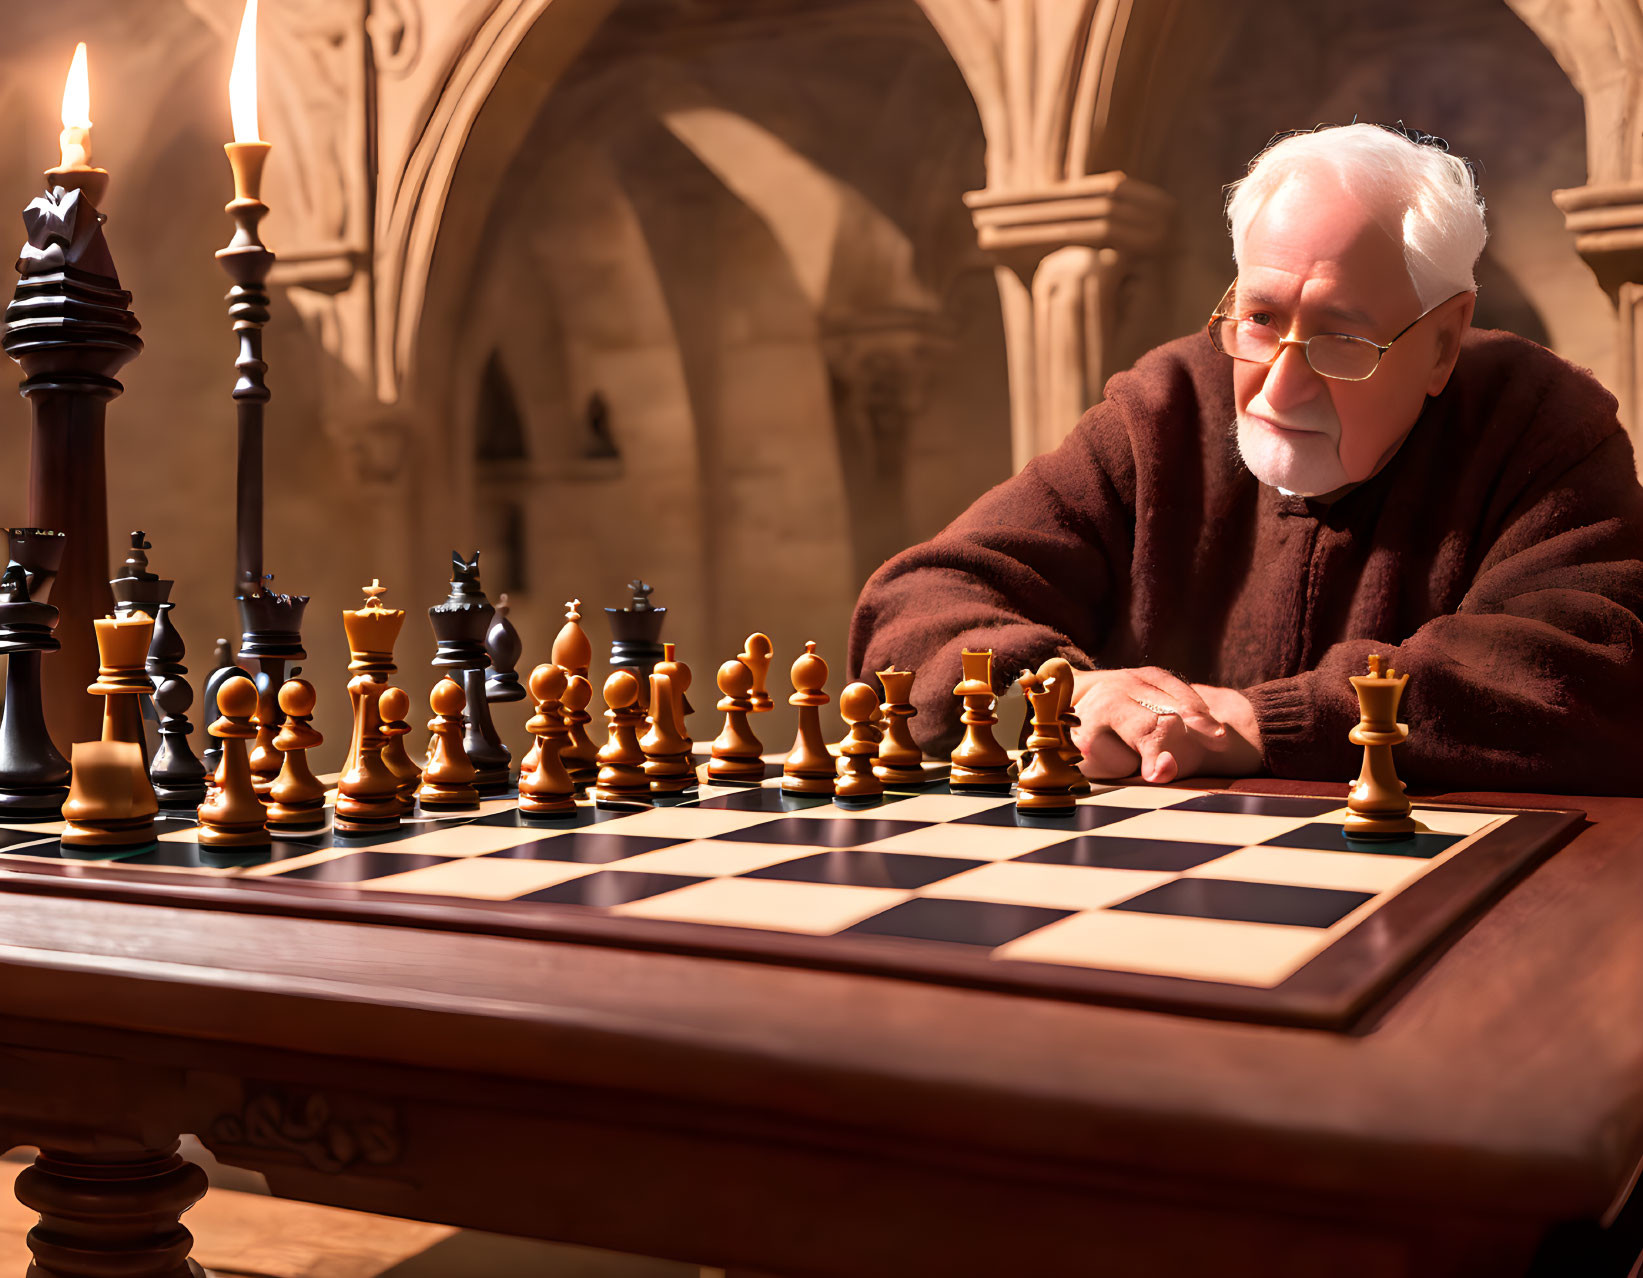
(1315, 261)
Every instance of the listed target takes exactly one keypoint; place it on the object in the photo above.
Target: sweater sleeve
(1032, 569)
(1535, 682)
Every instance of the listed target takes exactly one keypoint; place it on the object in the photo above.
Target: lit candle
(242, 80)
(75, 139)
(76, 172)
(247, 152)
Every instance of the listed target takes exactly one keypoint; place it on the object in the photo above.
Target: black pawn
(178, 776)
(214, 681)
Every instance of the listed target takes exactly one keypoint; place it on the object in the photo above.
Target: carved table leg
(111, 1217)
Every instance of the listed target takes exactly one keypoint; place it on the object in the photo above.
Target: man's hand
(1150, 722)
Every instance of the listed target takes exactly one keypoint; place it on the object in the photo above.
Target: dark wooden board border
(1333, 991)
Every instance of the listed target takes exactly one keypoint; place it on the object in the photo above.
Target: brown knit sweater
(1498, 558)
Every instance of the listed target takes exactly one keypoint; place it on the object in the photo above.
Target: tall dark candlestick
(247, 261)
(71, 329)
(271, 623)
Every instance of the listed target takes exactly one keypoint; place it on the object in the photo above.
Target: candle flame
(242, 81)
(77, 92)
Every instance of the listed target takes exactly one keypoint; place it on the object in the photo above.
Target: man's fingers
(1141, 727)
(1160, 768)
(1158, 762)
(1183, 698)
(1106, 756)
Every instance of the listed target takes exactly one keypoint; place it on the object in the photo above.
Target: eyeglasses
(1336, 355)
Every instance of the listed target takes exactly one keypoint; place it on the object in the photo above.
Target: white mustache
(1319, 419)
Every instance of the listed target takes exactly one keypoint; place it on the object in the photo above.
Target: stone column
(879, 368)
(1073, 262)
(1606, 220)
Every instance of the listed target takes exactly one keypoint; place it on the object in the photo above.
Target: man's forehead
(1331, 298)
(1314, 244)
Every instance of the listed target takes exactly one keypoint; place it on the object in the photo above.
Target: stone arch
(581, 316)
(863, 258)
(464, 123)
(1054, 83)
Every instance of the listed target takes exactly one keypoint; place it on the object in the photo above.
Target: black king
(460, 625)
(33, 774)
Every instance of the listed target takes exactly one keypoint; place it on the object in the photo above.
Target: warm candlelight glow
(75, 140)
(77, 92)
(242, 81)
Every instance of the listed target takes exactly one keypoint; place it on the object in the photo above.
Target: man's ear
(1450, 322)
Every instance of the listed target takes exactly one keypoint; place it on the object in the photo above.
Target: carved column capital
(1100, 211)
(1606, 220)
(879, 365)
(1073, 261)
(887, 353)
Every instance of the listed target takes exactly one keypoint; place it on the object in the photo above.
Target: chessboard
(1245, 906)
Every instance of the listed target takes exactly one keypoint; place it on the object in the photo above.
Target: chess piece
(503, 646)
(178, 775)
(636, 634)
(756, 654)
(110, 802)
(447, 781)
(1047, 785)
(296, 800)
(622, 782)
(34, 776)
(137, 589)
(736, 751)
(580, 755)
(372, 631)
(546, 789)
(393, 705)
(667, 753)
(1377, 806)
(571, 649)
(809, 768)
(270, 641)
(223, 668)
(232, 815)
(460, 625)
(979, 762)
(678, 674)
(1061, 671)
(122, 677)
(368, 793)
(900, 760)
(859, 705)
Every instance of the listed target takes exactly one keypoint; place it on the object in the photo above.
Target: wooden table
(802, 1122)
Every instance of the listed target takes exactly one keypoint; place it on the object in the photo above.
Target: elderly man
(1338, 466)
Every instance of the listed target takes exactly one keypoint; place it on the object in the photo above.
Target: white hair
(1421, 194)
